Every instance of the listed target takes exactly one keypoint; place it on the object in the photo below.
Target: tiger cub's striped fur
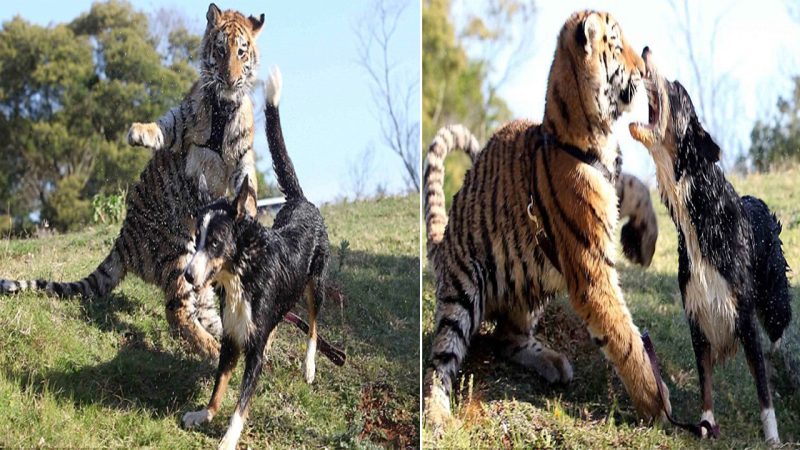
(487, 261)
(639, 234)
(210, 133)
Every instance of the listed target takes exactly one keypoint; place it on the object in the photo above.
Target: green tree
(454, 87)
(776, 140)
(69, 92)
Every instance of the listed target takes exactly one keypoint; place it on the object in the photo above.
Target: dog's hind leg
(228, 357)
(751, 342)
(705, 372)
(315, 297)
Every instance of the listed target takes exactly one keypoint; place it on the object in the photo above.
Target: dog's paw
(194, 418)
(146, 135)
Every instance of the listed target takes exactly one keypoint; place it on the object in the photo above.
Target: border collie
(731, 266)
(263, 272)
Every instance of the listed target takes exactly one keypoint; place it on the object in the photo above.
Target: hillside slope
(107, 372)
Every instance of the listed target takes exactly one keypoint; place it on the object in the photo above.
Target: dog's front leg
(228, 357)
(254, 354)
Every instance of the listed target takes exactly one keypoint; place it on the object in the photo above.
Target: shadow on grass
(381, 306)
(106, 314)
(157, 382)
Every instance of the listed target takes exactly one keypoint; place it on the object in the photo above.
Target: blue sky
(757, 44)
(326, 109)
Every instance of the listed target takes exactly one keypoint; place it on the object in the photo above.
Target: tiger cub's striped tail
(98, 284)
(284, 169)
(447, 139)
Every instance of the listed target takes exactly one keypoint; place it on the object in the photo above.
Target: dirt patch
(385, 421)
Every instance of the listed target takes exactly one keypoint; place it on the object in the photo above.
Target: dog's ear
(706, 147)
(245, 200)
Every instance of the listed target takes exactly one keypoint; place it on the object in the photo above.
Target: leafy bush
(108, 208)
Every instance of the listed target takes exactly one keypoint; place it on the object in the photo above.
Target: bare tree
(395, 96)
(359, 172)
(713, 91)
(500, 36)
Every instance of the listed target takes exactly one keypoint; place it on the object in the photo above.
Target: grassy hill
(107, 372)
(505, 406)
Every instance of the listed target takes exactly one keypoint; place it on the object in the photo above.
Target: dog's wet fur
(731, 267)
(264, 271)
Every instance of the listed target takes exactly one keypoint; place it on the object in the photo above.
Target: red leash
(696, 429)
(336, 356)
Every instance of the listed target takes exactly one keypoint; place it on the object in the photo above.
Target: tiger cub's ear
(588, 31)
(256, 23)
(212, 16)
(245, 200)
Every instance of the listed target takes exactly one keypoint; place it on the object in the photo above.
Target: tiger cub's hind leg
(183, 319)
(205, 311)
(458, 318)
(518, 343)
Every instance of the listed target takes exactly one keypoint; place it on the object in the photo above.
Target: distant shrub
(108, 209)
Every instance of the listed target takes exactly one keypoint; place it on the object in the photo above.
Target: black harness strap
(545, 140)
(696, 429)
(585, 156)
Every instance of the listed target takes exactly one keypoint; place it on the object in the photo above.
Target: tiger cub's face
(230, 56)
(613, 68)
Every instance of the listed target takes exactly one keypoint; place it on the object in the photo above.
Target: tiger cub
(214, 124)
(537, 215)
(211, 132)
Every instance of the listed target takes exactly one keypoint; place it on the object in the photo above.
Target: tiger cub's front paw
(194, 418)
(146, 135)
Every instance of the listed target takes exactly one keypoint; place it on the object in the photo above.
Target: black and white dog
(731, 266)
(263, 272)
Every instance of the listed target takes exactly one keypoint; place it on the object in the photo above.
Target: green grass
(507, 406)
(108, 373)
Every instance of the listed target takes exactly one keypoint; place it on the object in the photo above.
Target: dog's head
(674, 132)
(215, 235)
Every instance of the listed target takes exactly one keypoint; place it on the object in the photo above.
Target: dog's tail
(96, 285)
(447, 139)
(640, 234)
(281, 163)
(773, 301)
